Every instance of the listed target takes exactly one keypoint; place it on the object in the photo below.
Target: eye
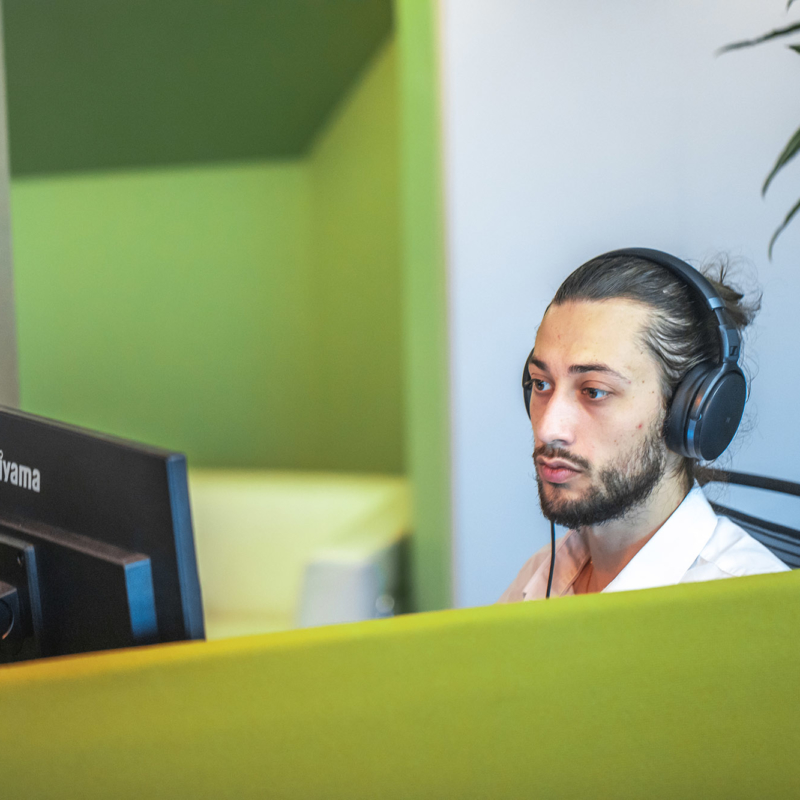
(593, 393)
(539, 385)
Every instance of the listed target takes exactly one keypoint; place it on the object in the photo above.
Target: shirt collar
(663, 561)
(674, 547)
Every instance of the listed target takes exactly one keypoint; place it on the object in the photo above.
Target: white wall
(572, 129)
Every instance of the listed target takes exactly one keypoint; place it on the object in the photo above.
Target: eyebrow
(580, 369)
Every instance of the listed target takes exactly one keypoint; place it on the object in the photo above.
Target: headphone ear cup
(527, 386)
(681, 407)
(720, 412)
(706, 411)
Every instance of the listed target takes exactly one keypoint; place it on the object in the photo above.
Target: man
(614, 347)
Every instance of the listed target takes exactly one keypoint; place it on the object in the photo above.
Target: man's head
(619, 335)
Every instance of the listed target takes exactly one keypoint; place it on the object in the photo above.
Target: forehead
(595, 332)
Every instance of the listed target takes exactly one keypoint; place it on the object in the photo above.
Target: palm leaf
(795, 47)
(778, 232)
(765, 38)
(789, 152)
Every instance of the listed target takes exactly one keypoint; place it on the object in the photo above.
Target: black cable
(552, 556)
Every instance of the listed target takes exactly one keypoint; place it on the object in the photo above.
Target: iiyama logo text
(19, 475)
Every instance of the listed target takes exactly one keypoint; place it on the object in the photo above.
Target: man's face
(597, 412)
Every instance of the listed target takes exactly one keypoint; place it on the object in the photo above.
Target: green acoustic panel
(684, 692)
(97, 85)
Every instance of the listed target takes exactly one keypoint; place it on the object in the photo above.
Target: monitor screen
(96, 544)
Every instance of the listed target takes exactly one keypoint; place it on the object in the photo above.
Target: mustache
(560, 452)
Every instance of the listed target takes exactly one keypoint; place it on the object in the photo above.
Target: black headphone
(707, 406)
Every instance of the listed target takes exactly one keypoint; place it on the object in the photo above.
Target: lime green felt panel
(355, 186)
(686, 691)
(425, 312)
(171, 307)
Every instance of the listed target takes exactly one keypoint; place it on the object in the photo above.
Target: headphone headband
(729, 340)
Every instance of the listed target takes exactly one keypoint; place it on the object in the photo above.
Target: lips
(556, 470)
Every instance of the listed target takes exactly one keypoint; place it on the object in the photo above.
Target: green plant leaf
(789, 216)
(789, 152)
(765, 38)
(795, 47)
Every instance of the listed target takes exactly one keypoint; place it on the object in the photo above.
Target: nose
(554, 420)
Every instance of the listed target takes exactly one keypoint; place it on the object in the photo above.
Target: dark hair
(681, 332)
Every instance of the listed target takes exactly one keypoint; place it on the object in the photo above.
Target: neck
(613, 544)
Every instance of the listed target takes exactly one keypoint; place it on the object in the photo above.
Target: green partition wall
(248, 314)
(357, 372)
(98, 86)
(685, 691)
(283, 312)
(169, 306)
(427, 362)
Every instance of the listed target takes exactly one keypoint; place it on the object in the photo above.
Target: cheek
(629, 428)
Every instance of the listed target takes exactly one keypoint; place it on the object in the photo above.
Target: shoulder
(735, 552)
(540, 560)
(514, 592)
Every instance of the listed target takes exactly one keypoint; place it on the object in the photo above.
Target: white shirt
(694, 544)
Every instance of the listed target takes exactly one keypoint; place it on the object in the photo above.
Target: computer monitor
(96, 544)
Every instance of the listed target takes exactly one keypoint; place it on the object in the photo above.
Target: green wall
(246, 314)
(274, 313)
(426, 354)
(98, 85)
(355, 188)
(169, 306)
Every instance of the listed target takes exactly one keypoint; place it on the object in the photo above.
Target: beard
(616, 490)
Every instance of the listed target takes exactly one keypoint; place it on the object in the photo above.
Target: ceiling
(113, 84)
